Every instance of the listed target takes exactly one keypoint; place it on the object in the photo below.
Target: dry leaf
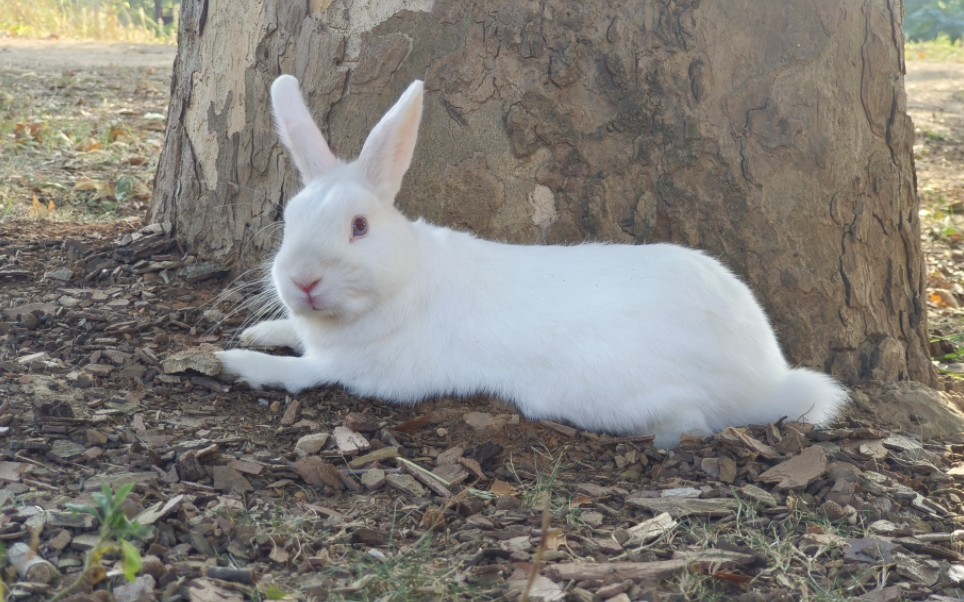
(279, 554)
(103, 189)
(28, 131)
(410, 426)
(434, 518)
(116, 133)
(579, 500)
(501, 488)
(943, 298)
(732, 577)
(88, 144)
(38, 209)
(555, 539)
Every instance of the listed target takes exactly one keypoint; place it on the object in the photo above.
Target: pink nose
(306, 285)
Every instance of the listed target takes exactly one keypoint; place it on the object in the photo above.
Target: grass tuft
(941, 49)
(103, 20)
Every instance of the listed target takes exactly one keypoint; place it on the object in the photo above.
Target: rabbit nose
(306, 285)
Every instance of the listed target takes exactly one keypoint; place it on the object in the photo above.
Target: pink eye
(359, 227)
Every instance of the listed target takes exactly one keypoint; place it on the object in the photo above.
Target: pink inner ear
(387, 153)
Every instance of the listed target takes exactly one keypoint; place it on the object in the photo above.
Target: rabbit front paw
(259, 370)
(245, 365)
(272, 333)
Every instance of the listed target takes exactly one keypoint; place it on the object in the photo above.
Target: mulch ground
(105, 379)
(252, 493)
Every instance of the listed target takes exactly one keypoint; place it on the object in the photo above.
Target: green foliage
(274, 592)
(940, 49)
(116, 531)
(953, 344)
(3, 562)
(927, 19)
(109, 20)
(114, 524)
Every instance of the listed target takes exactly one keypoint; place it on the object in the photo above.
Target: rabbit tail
(808, 396)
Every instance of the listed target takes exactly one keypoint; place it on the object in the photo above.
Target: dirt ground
(255, 495)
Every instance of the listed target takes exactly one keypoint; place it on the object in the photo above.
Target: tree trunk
(773, 135)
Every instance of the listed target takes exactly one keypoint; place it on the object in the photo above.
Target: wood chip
(349, 442)
(228, 479)
(292, 410)
(957, 470)
(869, 550)
(930, 549)
(799, 471)
(316, 472)
(598, 491)
(542, 589)
(473, 467)
(373, 479)
(205, 590)
(199, 359)
(11, 471)
(453, 474)
(921, 570)
(379, 455)
(152, 514)
(740, 435)
(758, 495)
(873, 448)
(649, 530)
(678, 507)
(427, 478)
(449, 456)
(638, 571)
(247, 467)
(717, 557)
(728, 469)
(406, 484)
(485, 420)
(891, 593)
(953, 536)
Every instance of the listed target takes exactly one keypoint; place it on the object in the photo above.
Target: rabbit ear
(298, 131)
(387, 152)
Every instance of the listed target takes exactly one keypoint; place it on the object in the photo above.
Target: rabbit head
(345, 245)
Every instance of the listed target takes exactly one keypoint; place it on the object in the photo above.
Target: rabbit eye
(359, 227)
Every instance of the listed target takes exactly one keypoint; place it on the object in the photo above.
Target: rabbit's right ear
(298, 131)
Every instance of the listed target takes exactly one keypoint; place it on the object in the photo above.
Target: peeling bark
(774, 135)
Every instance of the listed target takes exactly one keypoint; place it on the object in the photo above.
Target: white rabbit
(617, 338)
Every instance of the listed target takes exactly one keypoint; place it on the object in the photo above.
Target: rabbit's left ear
(387, 152)
(298, 131)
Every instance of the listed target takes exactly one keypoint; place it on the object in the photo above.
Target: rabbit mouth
(312, 303)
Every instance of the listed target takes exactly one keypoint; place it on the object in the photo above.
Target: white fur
(624, 339)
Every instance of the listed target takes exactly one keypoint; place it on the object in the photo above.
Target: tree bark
(773, 135)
